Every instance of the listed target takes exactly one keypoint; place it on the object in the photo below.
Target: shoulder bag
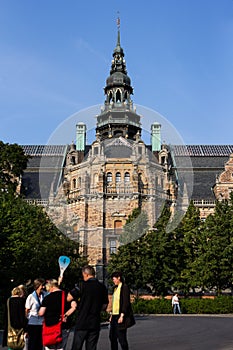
(15, 337)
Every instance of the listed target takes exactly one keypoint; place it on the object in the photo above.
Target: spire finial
(118, 28)
(118, 20)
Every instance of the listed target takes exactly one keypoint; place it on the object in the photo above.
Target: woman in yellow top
(122, 314)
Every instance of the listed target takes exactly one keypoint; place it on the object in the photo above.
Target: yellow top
(116, 300)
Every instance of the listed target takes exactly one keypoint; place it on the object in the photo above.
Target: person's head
(16, 292)
(51, 284)
(23, 290)
(38, 284)
(88, 272)
(117, 277)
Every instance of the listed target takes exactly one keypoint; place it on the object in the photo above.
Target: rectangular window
(113, 247)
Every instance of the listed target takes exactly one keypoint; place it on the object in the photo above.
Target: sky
(55, 57)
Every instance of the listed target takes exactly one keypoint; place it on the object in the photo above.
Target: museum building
(90, 190)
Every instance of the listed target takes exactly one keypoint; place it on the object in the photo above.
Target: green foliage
(13, 162)
(194, 255)
(212, 265)
(155, 306)
(189, 232)
(161, 256)
(30, 245)
(135, 227)
(129, 258)
(218, 305)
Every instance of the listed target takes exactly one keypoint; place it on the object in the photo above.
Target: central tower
(118, 117)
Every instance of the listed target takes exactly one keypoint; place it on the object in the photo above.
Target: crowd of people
(48, 306)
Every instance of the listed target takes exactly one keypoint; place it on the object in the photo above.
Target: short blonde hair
(51, 283)
(16, 291)
(23, 290)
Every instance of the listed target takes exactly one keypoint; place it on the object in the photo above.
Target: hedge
(218, 305)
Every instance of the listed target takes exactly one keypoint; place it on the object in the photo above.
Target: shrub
(218, 305)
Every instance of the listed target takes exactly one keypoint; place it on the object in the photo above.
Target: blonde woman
(18, 319)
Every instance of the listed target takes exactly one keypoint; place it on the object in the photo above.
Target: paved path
(176, 332)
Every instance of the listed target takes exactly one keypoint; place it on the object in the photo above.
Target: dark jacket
(125, 308)
(93, 296)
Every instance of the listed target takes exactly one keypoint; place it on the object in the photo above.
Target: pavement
(183, 332)
(173, 332)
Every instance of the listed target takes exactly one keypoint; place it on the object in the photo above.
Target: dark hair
(117, 274)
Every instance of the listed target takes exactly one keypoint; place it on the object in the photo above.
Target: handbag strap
(8, 313)
(62, 304)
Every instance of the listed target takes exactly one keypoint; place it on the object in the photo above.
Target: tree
(213, 264)
(129, 257)
(30, 244)
(135, 227)
(188, 231)
(13, 162)
(160, 260)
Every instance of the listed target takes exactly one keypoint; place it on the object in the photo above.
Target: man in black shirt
(93, 300)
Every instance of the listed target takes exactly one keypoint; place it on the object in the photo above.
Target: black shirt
(53, 304)
(93, 295)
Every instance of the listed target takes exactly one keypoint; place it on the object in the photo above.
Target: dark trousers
(117, 334)
(34, 337)
(89, 336)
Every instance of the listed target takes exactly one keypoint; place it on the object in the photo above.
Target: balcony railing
(204, 203)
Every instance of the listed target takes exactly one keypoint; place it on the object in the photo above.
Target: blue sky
(56, 56)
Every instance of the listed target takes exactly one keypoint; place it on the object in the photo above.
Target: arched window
(127, 177)
(118, 96)
(109, 177)
(110, 96)
(118, 177)
(74, 183)
(79, 182)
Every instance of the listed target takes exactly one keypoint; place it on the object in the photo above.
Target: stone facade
(224, 182)
(89, 191)
(115, 177)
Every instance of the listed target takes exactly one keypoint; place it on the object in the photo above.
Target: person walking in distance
(122, 315)
(176, 304)
(93, 299)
